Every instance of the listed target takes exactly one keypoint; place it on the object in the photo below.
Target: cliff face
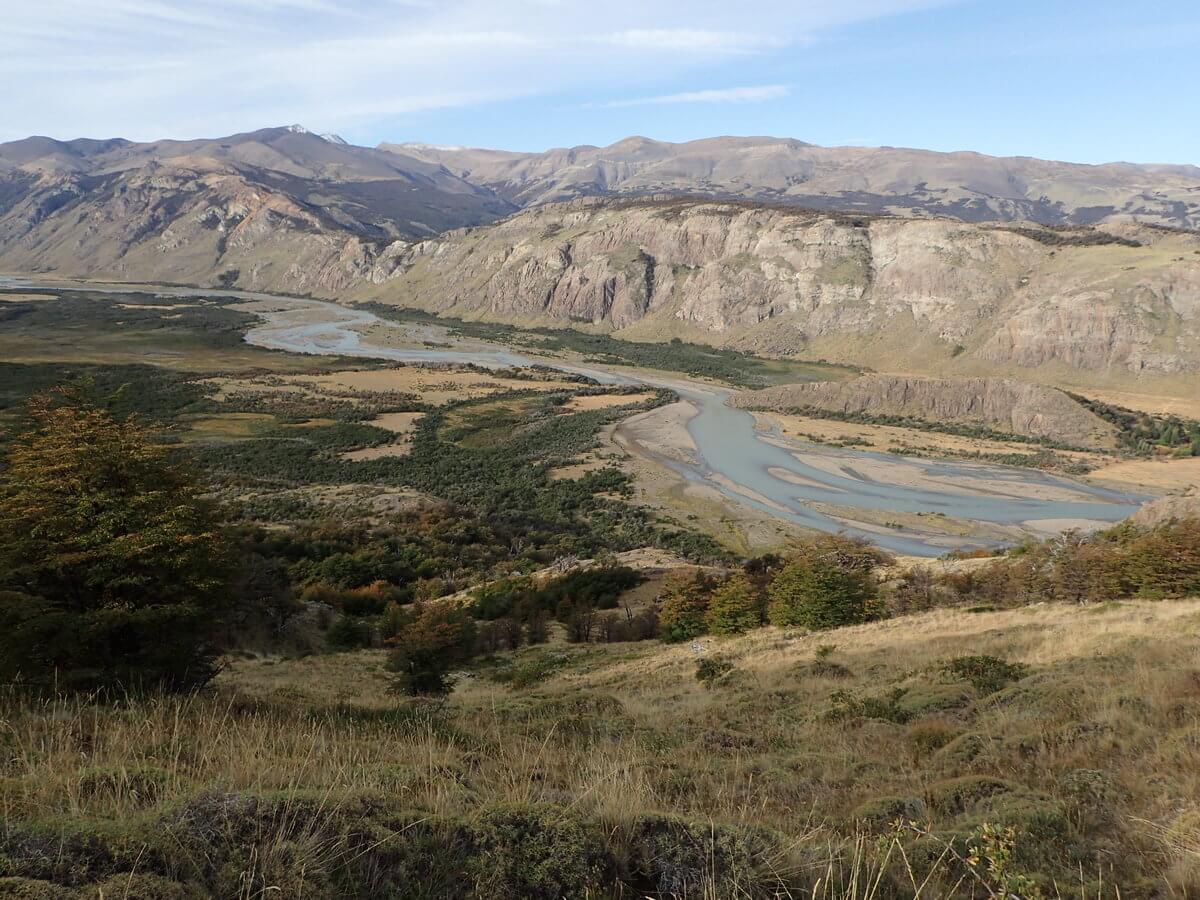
(999, 404)
(901, 293)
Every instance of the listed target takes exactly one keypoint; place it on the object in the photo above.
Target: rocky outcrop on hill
(998, 404)
(918, 295)
(1169, 509)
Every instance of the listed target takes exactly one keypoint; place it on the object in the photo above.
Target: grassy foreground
(611, 770)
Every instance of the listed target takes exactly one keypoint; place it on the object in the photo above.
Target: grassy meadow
(849, 763)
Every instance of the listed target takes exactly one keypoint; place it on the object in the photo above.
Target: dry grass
(912, 441)
(1160, 474)
(585, 402)
(622, 730)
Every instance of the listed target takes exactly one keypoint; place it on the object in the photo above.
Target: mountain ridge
(906, 181)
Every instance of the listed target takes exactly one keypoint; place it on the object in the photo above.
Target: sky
(1093, 81)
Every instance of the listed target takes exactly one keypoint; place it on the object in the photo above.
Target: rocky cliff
(998, 404)
(942, 296)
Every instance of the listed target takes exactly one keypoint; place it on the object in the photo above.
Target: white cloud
(172, 68)
(758, 94)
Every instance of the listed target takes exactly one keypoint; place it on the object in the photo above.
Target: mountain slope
(942, 296)
(352, 190)
(969, 186)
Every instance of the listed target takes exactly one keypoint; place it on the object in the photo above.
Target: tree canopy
(113, 565)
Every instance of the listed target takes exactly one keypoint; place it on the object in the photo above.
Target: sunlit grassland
(1091, 757)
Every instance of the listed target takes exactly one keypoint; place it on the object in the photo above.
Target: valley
(731, 519)
(718, 455)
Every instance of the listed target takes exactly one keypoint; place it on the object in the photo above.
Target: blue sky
(1062, 79)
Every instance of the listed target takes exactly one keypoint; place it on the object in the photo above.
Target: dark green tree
(114, 567)
(440, 637)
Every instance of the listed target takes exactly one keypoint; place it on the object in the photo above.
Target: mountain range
(967, 186)
(905, 259)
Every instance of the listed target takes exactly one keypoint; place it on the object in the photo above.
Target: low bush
(711, 670)
(987, 674)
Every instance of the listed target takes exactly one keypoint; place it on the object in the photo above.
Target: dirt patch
(25, 298)
(401, 424)
(909, 441)
(605, 401)
(369, 453)
(398, 423)
(1165, 474)
(1149, 403)
(434, 385)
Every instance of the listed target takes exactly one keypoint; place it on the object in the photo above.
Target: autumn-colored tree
(826, 584)
(439, 637)
(734, 607)
(114, 565)
(684, 609)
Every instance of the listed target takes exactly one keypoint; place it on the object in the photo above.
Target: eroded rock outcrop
(998, 404)
(902, 294)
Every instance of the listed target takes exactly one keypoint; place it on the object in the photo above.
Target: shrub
(881, 812)
(927, 737)
(684, 611)
(711, 670)
(957, 795)
(816, 593)
(440, 637)
(987, 674)
(848, 705)
(349, 633)
(536, 853)
(733, 607)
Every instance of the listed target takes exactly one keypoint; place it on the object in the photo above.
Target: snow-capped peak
(298, 129)
(414, 145)
(334, 138)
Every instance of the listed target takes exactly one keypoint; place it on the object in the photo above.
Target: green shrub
(672, 857)
(987, 674)
(684, 610)
(537, 853)
(822, 587)
(957, 795)
(440, 637)
(711, 670)
(962, 751)
(848, 705)
(114, 565)
(733, 608)
(926, 738)
(349, 633)
(924, 699)
(528, 672)
(880, 812)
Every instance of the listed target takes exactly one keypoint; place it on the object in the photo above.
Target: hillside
(105, 196)
(995, 404)
(1084, 306)
(762, 779)
(969, 186)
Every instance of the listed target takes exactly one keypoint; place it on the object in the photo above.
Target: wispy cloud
(170, 68)
(759, 94)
